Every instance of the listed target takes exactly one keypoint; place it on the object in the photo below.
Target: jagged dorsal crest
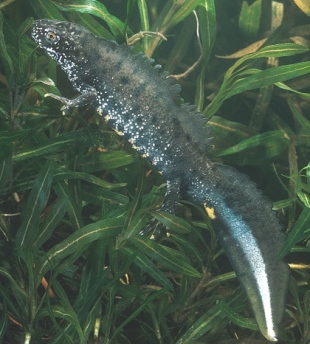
(192, 121)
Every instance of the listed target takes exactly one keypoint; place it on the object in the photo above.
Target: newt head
(62, 41)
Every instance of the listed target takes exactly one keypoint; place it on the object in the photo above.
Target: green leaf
(45, 85)
(79, 240)
(54, 217)
(8, 137)
(105, 161)
(138, 310)
(207, 13)
(91, 325)
(228, 133)
(249, 18)
(240, 77)
(94, 277)
(207, 32)
(237, 318)
(287, 88)
(74, 210)
(137, 224)
(172, 222)
(276, 50)
(18, 301)
(172, 13)
(87, 177)
(46, 9)
(96, 9)
(71, 315)
(294, 291)
(5, 173)
(211, 318)
(94, 195)
(4, 53)
(55, 145)
(270, 144)
(190, 249)
(90, 22)
(268, 77)
(136, 218)
(166, 256)
(129, 10)
(25, 63)
(144, 19)
(300, 231)
(29, 229)
(303, 190)
(146, 265)
(186, 8)
(65, 314)
(3, 321)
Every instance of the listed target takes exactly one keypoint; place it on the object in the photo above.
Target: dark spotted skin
(142, 104)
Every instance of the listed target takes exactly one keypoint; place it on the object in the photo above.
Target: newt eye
(51, 36)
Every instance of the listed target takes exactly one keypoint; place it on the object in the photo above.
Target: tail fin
(251, 236)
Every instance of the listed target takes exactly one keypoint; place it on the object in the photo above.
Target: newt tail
(142, 104)
(251, 236)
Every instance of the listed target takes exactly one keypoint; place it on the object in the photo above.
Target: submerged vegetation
(74, 196)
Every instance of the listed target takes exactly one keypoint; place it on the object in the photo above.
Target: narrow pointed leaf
(207, 26)
(54, 217)
(166, 256)
(300, 231)
(97, 9)
(55, 145)
(272, 142)
(149, 267)
(211, 318)
(172, 222)
(269, 76)
(105, 161)
(46, 9)
(36, 202)
(4, 53)
(79, 240)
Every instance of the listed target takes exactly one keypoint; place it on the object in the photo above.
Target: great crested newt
(141, 103)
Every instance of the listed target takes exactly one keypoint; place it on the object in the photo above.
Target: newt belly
(142, 104)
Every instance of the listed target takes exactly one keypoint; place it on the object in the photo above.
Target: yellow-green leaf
(304, 5)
